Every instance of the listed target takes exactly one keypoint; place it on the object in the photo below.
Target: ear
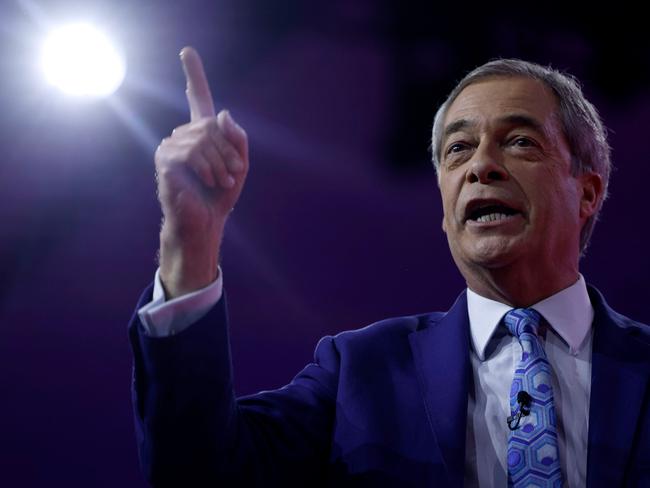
(444, 225)
(592, 194)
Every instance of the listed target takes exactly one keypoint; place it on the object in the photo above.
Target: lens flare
(80, 60)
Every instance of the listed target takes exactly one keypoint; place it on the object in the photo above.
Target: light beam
(80, 60)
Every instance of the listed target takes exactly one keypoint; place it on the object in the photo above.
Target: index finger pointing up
(198, 90)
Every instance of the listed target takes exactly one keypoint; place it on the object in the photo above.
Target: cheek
(449, 221)
(446, 201)
(449, 192)
(557, 200)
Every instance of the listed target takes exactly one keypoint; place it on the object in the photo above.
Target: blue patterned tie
(533, 454)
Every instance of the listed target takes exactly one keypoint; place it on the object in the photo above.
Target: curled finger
(217, 166)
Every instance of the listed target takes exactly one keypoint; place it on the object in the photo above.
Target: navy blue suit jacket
(385, 405)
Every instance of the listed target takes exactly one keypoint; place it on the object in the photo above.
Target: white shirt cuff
(162, 318)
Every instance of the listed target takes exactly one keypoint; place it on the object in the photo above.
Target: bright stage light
(80, 60)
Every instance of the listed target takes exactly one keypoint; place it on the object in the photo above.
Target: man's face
(505, 178)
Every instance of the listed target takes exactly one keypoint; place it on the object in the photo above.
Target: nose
(486, 168)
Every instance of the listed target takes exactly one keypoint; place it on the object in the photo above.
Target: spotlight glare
(80, 60)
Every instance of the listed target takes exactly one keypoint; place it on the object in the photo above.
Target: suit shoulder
(388, 328)
(633, 328)
(379, 344)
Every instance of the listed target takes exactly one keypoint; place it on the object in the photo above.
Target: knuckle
(163, 173)
(211, 155)
(205, 131)
(222, 145)
(208, 124)
(230, 154)
(163, 150)
(220, 168)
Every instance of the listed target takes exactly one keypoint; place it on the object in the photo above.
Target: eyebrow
(518, 120)
(457, 126)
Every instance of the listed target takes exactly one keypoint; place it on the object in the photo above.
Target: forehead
(494, 99)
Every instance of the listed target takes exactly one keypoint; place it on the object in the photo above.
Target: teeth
(492, 217)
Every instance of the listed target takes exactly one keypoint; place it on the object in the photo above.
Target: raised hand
(201, 169)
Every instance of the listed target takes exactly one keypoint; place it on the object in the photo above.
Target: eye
(456, 147)
(523, 142)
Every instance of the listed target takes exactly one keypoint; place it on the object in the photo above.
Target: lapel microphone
(524, 400)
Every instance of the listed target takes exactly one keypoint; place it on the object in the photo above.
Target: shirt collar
(569, 312)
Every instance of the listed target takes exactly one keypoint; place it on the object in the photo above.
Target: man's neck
(519, 287)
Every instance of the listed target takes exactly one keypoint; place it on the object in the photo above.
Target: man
(530, 379)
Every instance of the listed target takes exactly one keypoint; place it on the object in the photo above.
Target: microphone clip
(524, 400)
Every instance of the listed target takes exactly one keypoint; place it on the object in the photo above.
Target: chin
(493, 252)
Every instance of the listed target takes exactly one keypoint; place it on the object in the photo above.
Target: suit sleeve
(192, 431)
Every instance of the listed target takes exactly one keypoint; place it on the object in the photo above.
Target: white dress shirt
(494, 354)
(161, 318)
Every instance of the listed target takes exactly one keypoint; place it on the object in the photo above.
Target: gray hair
(581, 124)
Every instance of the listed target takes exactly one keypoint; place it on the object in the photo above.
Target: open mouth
(489, 211)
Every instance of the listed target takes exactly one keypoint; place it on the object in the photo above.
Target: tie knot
(522, 320)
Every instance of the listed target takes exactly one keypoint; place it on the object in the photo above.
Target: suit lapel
(618, 383)
(441, 354)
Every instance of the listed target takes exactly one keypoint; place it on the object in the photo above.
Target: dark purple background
(339, 224)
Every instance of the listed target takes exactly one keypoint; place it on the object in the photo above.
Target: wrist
(187, 266)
